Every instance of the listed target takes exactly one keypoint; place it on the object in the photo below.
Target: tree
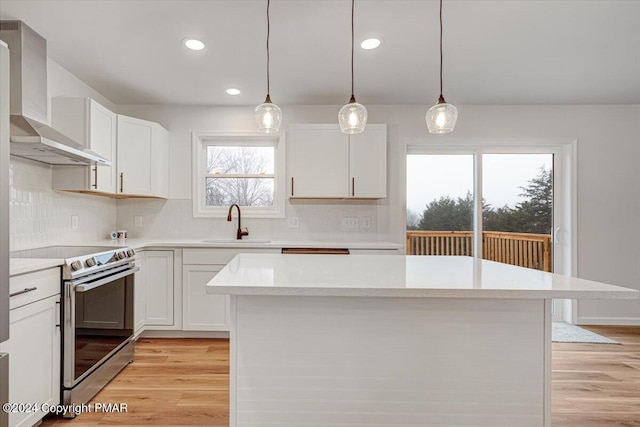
(413, 219)
(447, 213)
(531, 215)
(536, 210)
(245, 191)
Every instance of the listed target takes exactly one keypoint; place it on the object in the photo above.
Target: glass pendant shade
(268, 117)
(352, 117)
(441, 118)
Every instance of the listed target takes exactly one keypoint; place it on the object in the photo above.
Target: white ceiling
(496, 52)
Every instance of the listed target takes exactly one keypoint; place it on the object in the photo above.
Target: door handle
(291, 186)
(121, 181)
(556, 232)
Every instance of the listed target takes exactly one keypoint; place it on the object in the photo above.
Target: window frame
(202, 140)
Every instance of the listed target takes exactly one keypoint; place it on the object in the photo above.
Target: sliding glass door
(500, 206)
(504, 204)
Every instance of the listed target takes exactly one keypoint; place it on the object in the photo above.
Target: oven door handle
(106, 280)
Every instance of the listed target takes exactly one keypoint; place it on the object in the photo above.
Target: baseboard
(182, 334)
(612, 321)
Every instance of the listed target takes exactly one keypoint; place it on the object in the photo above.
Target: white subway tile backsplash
(318, 221)
(40, 216)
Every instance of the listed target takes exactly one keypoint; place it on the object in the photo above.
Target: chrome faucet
(240, 233)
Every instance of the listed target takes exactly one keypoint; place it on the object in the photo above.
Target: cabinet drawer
(220, 255)
(45, 282)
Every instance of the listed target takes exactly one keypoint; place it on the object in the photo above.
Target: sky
(431, 176)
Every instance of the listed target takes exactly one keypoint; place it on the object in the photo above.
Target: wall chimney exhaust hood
(31, 137)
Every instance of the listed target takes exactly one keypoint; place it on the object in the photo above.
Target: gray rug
(565, 332)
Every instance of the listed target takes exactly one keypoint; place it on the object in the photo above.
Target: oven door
(98, 320)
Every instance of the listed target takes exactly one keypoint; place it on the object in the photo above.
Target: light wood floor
(175, 382)
(598, 385)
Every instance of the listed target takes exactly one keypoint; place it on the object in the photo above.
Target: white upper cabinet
(160, 162)
(142, 161)
(319, 161)
(138, 150)
(325, 163)
(134, 155)
(86, 122)
(368, 162)
(91, 124)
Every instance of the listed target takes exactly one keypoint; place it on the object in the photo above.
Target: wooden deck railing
(522, 249)
(421, 242)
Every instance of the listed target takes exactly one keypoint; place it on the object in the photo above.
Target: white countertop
(27, 265)
(245, 243)
(19, 266)
(399, 276)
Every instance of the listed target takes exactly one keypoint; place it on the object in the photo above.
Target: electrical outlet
(366, 223)
(137, 221)
(293, 222)
(349, 223)
(74, 222)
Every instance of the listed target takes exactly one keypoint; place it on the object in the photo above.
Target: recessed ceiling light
(233, 91)
(369, 44)
(193, 44)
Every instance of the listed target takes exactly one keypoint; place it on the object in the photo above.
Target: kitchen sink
(235, 241)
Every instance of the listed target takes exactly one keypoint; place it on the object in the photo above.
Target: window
(242, 169)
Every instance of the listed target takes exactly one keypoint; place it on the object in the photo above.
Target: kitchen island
(366, 340)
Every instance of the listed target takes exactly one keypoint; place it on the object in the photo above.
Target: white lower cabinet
(34, 344)
(159, 288)
(139, 295)
(201, 311)
(170, 288)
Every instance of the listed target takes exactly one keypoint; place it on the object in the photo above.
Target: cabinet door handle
(95, 177)
(291, 186)
(121, 181)
(24, 291)
(353, 186)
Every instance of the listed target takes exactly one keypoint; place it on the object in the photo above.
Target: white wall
(62, 83)
(41, 216)
(608, 211)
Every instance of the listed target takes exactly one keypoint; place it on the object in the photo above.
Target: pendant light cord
(268, 33)
(353, 2)
(441, 97)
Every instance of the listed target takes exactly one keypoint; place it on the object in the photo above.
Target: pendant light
(353, 116)
(442, 117)
(268, 115)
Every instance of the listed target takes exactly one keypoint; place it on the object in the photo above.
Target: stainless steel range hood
(31, 137)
